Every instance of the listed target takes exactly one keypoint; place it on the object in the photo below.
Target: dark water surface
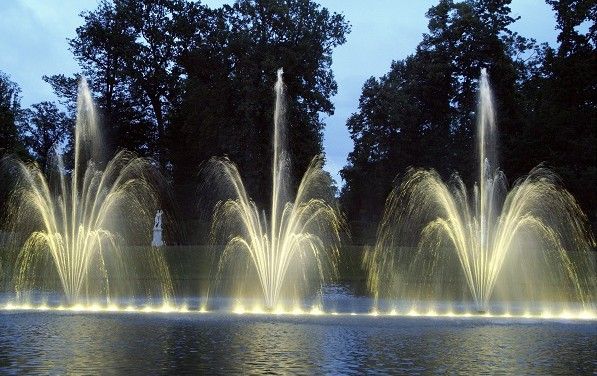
(61, 342)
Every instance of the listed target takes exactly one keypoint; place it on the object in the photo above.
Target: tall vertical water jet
(72, 231)
(531, 245)
(294, 252)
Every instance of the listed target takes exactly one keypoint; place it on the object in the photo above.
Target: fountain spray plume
(296, 251)
(71, 234)
(531, 244)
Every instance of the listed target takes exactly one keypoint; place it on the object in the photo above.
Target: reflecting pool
(67, 342)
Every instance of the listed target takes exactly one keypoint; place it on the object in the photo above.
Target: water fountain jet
(69, 232)
(297, 248)
(436, 241)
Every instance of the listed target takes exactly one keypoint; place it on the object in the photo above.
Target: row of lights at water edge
(545, 314)
(297, 311)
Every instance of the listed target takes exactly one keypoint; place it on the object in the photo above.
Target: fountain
(528, 246)
(74, 233)
(297, 249)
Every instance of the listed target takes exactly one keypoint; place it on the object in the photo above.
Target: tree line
(180, 82)
(422, 112)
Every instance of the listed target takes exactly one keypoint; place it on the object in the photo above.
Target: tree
(150, 59)
(421, 113)
(465, 37)
(45, 130)
(561, 102)
(180, 82)
(100, 48)
(10, 115)
(127, 50)
(231, 73)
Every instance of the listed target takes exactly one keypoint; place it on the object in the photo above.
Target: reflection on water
(72, 343)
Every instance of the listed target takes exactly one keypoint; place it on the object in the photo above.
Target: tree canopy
(45, 131)
(422, 113)
(10, 115)
(229, 100)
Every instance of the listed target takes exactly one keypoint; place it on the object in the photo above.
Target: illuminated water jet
(70, 229)
(295, 250)
(436, 241)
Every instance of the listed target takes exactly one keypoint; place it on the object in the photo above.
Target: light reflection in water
(228, 343)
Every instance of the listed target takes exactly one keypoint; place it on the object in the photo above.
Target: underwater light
(584, 315)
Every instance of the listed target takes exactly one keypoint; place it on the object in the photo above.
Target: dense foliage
(227, 107)
(10, 114)
(422, 112)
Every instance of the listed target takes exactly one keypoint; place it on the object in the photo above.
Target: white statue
(157, 230)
